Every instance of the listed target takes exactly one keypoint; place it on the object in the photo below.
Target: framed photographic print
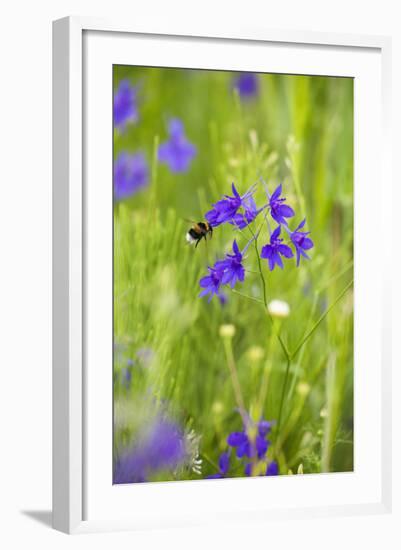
(219, 275)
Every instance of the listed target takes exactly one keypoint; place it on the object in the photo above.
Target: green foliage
(298, 131)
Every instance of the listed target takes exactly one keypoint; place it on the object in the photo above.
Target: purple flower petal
(307, 243)
(236, 249)
(275, 234)
(224, 463)
(264, 427)
(248, 469)
(272, 469)
(236, 438)
(276, 193)
(285, 250)
(286, 211)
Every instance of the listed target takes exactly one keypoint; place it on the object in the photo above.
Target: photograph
(233, 223)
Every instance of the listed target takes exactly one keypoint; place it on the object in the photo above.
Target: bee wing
(189, 221)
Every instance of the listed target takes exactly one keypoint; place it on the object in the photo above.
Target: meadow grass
(298, 131)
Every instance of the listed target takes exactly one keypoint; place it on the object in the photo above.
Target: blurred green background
(298, 130)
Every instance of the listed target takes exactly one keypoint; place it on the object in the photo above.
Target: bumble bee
(198, 232)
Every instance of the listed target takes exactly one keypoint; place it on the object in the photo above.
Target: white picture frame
(72, 424)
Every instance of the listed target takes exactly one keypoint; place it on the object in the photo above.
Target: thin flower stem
(267, 222)
(321, 318)
(335, 277)
(263, 387)
(283, 346)
(208, 459)
(292, 355)
(246, 296)
(280, 412)
(234, 377)
(244, 236)
(237, 227)
(259, 266)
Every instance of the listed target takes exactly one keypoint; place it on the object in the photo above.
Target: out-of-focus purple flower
(272, 469)
(278, 210)
(247, 85)
(124, 105)
(224, 464)
(131, 174)
(145, 356)
(240, 441)
(119, 350)
(126, 374)
(211, 283)
(264, 427)
(301, 241)
(242, 219)
(161, 448)
(231, 266)
(177, 152)
(272, 252)
(225, 209)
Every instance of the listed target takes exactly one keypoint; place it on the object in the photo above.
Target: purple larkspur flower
(224, 272)
(211, 283)
(250, 211)
(177, 152)
(247, 85)
(278, 210)
(124, 105)
(225, 209)
(245, 447)
(224, 464)
(161, 448)
(251, 446)
(232, 268)
(131, 174)
(301, 241)
(272, 252)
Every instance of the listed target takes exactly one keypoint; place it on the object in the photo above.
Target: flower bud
(278, 308)
(255, 353)
(323, 413)
(227, 331)
(303, 389)
(217, 407)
